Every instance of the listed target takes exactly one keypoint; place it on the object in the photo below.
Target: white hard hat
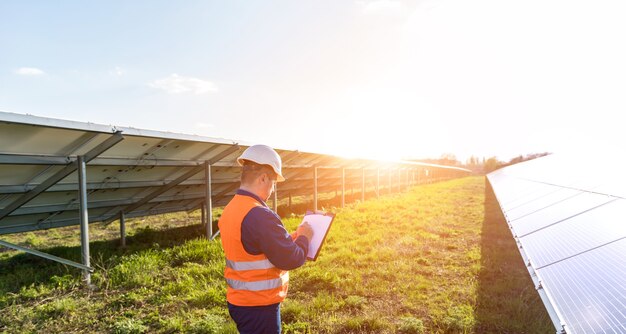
(263, 155)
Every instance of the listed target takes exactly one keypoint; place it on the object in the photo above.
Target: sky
(378, 79)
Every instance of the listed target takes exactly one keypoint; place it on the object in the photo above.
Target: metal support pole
(315, 188)
(407, 183)
(84, 218)
(122, 230)
(362, 184)
(343, 187)
(45, 255)
(377, 182)
(289, 201)
(406, 179)
(208, 201)
(203, 213)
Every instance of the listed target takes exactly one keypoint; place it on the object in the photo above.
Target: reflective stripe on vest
(249, 265)
(258, 285)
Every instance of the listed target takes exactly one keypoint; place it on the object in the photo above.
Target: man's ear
(266, 177)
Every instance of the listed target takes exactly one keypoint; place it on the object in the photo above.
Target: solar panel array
(141, 172)
(567, 216)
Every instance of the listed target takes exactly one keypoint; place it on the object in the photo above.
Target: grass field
(436, 259)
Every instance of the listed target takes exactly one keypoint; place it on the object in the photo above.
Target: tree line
(480, 165)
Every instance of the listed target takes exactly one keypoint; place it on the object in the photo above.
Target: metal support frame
(203, 214)
(290, 156)
(20, 159)
(71, 166)
(208, 202)
(114, 204)
(306, 169)
(154, 194)
(175, 182)
(408, 183)
(205, 152)
(45, 256)
(60, 175)
(20, 189)
(228, 189)
(315, 188)
(122, 230)
(84, 218)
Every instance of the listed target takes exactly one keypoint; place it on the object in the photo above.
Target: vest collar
(249, 194)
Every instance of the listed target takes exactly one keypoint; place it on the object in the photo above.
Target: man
(259, 251)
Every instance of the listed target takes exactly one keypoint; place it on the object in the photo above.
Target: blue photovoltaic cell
(590, 289)
(570, 223)
(541, 202)
(542, 191)
(557, 211)
(575, 235)
(513, 190)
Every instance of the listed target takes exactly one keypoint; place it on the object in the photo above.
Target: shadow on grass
(24, 269)
(507, 300)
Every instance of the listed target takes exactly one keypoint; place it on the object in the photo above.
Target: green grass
(436, 259)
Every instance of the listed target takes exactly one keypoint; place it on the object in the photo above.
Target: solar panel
(568, 223)
(133, 172)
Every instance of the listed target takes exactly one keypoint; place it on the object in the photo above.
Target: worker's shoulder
(263, 214)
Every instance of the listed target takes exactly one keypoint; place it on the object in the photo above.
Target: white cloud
(176, 84)
(30, 71)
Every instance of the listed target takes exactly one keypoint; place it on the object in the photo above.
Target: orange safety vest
(252, 279)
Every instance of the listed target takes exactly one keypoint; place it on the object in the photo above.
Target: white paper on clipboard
(320, 222)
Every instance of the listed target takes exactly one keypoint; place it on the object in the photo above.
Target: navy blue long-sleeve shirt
(263, 232)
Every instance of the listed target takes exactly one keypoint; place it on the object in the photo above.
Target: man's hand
(306, 230)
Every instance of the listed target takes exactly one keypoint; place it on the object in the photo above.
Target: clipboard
(320, 222)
